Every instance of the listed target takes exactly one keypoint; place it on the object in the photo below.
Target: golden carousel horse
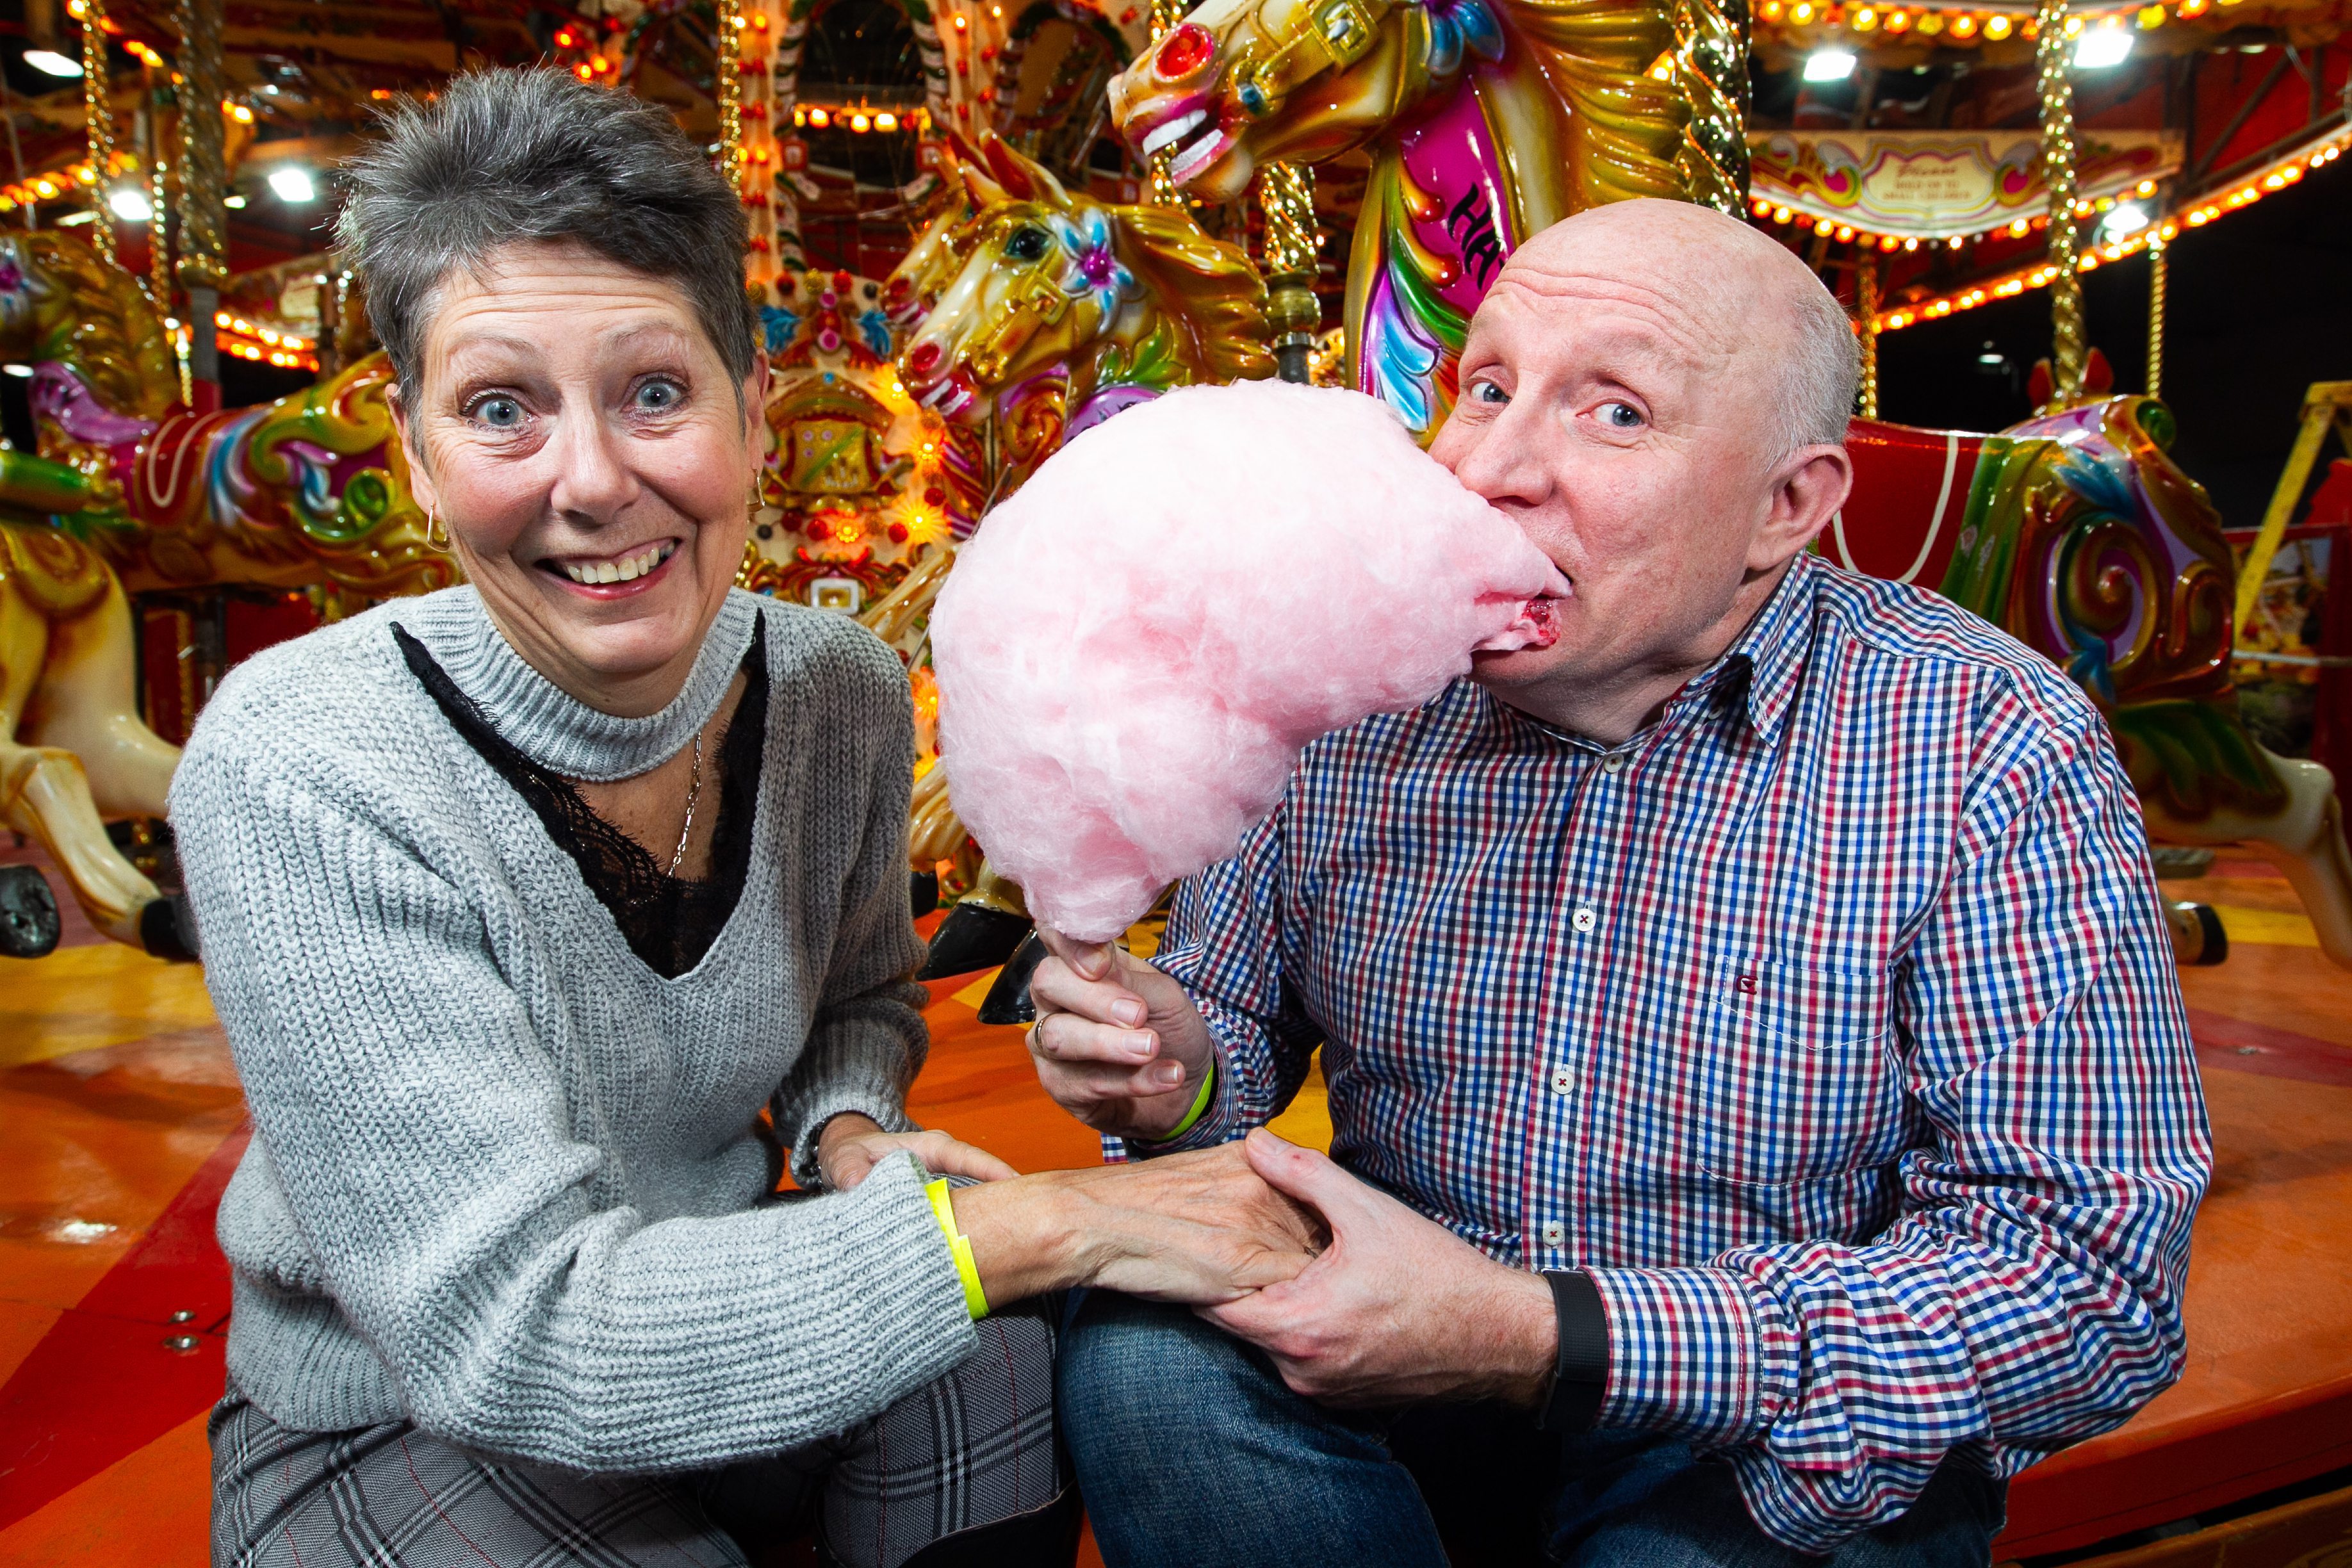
(1060, 311)
(132, 491)
(1485, 121)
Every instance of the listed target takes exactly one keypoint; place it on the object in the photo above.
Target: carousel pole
(2057, 96)
(1165, 14)
(727, 92)
(159, 222)
(204, 177)
(97, 108)
(1287, 191)
(2158, 259)
(1865, 300)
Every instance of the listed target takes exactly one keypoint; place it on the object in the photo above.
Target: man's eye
(1621, 416)
(659, 397)
(497, 412)
(1487, 392)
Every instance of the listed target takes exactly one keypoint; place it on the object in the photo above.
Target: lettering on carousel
(1471, 226)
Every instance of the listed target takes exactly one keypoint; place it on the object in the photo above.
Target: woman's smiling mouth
(631, 570)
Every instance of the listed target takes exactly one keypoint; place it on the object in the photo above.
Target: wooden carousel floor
(120, 1119)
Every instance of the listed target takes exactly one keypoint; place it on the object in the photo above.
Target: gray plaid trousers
(972, 1448)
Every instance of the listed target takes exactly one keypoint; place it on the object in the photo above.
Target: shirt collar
(1766, 662)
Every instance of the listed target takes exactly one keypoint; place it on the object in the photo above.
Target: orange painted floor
(120, 1119)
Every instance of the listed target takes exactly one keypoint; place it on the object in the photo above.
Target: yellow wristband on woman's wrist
(975, 1299)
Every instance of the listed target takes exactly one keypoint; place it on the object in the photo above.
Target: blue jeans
(1191, 1449)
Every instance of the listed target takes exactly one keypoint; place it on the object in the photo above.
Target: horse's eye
(1029, 243)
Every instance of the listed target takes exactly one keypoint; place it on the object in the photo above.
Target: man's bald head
(1747, 294)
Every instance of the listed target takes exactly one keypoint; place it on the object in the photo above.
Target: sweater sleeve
(424, 1140)
(868, 1040)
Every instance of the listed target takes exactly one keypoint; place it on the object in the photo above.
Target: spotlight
(17, 370)
(48, 62)
(2128, 218)
(293, 184)
(1829, 65)
(129, 203)
(2101, 47)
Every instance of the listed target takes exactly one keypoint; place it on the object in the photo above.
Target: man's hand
(1397, 1309)
(1117, 1043)
(1197, 1227)
(850, 1145)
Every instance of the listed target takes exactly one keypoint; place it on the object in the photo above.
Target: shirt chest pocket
(1789, 1072)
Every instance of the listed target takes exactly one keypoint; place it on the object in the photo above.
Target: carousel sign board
(1934, 183)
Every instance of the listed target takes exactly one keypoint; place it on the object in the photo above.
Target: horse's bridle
(1335, 35)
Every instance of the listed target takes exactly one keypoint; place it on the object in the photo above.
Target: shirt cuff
(1685, 1347)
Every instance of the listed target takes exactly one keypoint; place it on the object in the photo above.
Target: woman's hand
(1117, 1043)
(1199, 1228)
(851, 1146)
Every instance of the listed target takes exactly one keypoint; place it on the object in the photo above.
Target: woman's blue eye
(498, 413)
(1622, 416)
(659, 397)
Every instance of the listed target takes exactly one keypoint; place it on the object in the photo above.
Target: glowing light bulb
(293, 184)
(129, 203)
(48, 62)
(1829, 65)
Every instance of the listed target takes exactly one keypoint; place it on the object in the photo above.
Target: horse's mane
(105, 329)
(1209, 287)
(1626, 131)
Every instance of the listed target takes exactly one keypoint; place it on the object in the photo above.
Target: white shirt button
(1555, 1234)
(1615, 762)
(1584, 919)
(1562, 1080)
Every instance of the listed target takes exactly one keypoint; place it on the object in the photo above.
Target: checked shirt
(1830, 1024)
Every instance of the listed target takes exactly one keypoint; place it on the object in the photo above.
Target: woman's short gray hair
(537, 155)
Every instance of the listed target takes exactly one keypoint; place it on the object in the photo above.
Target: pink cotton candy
(1132, 651)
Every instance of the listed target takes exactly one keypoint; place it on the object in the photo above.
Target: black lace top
(669, 922)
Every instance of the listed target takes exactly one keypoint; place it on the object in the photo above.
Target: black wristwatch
(1580, 1373)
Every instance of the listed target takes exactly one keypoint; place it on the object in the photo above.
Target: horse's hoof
(167, 928)
(1008, 1000)
(973, 936)
(29, 923)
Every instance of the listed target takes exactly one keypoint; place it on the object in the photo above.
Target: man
(1764, 1112)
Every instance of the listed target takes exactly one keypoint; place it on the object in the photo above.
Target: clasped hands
(1375, 1305)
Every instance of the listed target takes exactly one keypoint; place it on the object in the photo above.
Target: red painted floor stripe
(2236, 1045)
(102, 1383)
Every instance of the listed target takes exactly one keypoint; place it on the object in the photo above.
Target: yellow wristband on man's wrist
(1200, 1105)
(975, 1299)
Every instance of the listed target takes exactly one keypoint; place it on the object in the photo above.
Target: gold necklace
(693, 794)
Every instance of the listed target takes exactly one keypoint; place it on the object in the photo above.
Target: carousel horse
(1061, 311)
(2077, 534)
(133, 492)
(1486, 122)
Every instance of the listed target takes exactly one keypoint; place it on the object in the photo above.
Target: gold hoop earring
(437, 532)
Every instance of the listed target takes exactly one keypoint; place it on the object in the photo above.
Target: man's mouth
(1537, 625)
(597, 572)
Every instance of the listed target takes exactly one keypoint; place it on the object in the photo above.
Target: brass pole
(1165, 14)
(158, 220)
(2057, 98)
(726, 92)
(2158, 259)
(1865, 299)
(98, 109)
(203, 265)
(1287, 191)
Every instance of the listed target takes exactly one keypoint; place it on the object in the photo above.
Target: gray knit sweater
(505, 1180)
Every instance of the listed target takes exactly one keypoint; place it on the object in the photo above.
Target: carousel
(980, 227)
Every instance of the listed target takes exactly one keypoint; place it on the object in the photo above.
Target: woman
(522, 902)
